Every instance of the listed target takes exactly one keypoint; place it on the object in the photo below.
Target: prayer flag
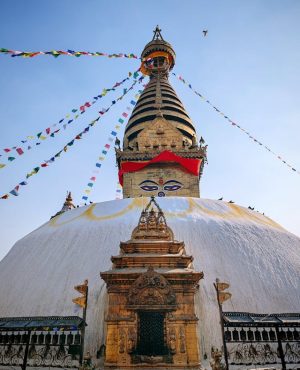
(81, 301)
(124, 114)
(11, 159)
(107, 146)
(14, 192)
(114, 133)
(132, 102)
(90, 184)
(98, 165)
(85, 198)
(222, 286)
(223, 296)
(121, 120)
(2, 165)
(104, 152)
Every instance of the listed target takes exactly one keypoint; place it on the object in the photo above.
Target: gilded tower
(151, 321)
(161, 155)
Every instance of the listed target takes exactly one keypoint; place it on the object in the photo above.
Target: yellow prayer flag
(222, 286)
(30, 137)
(81, 288)
(43, 137)
(81, 301)
(87, 191)
(223, 296)
(2, 165)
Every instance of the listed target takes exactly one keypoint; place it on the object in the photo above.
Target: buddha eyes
(149, 187)
(171, 185)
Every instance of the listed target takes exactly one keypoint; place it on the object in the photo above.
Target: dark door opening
(151, 334)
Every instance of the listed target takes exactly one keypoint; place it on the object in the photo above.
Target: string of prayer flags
(53, 130)
(46, 163)
(57, 53)
(234, 124)
(111, 138)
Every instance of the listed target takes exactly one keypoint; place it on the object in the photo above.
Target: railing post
(23, 367)
(280, 349)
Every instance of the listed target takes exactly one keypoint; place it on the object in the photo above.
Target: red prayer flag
(48, 131)
(6, 150)
(44, 165)
(19, 151)
(107, 146)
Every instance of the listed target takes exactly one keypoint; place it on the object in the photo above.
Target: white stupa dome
(259, 259)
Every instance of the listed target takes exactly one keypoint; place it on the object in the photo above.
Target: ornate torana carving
(152, 224)
(151, 288)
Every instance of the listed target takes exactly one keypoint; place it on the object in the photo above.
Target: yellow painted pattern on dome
(237, 212)
(136, 203)
(232, 212)
(89, 213)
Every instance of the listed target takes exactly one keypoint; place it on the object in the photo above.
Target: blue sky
(248, 66)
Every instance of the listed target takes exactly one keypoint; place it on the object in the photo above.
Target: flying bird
(205, 32)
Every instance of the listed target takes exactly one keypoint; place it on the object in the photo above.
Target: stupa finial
(157, 34)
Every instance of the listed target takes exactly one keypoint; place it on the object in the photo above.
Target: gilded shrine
(151, 321)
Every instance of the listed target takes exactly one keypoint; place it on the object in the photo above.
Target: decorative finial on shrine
(68, 204)
(152, 224)
(157, 34)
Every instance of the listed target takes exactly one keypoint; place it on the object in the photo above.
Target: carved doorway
(151, 336)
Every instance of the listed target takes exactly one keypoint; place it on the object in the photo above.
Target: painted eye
(149, 187)
(172, 187)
